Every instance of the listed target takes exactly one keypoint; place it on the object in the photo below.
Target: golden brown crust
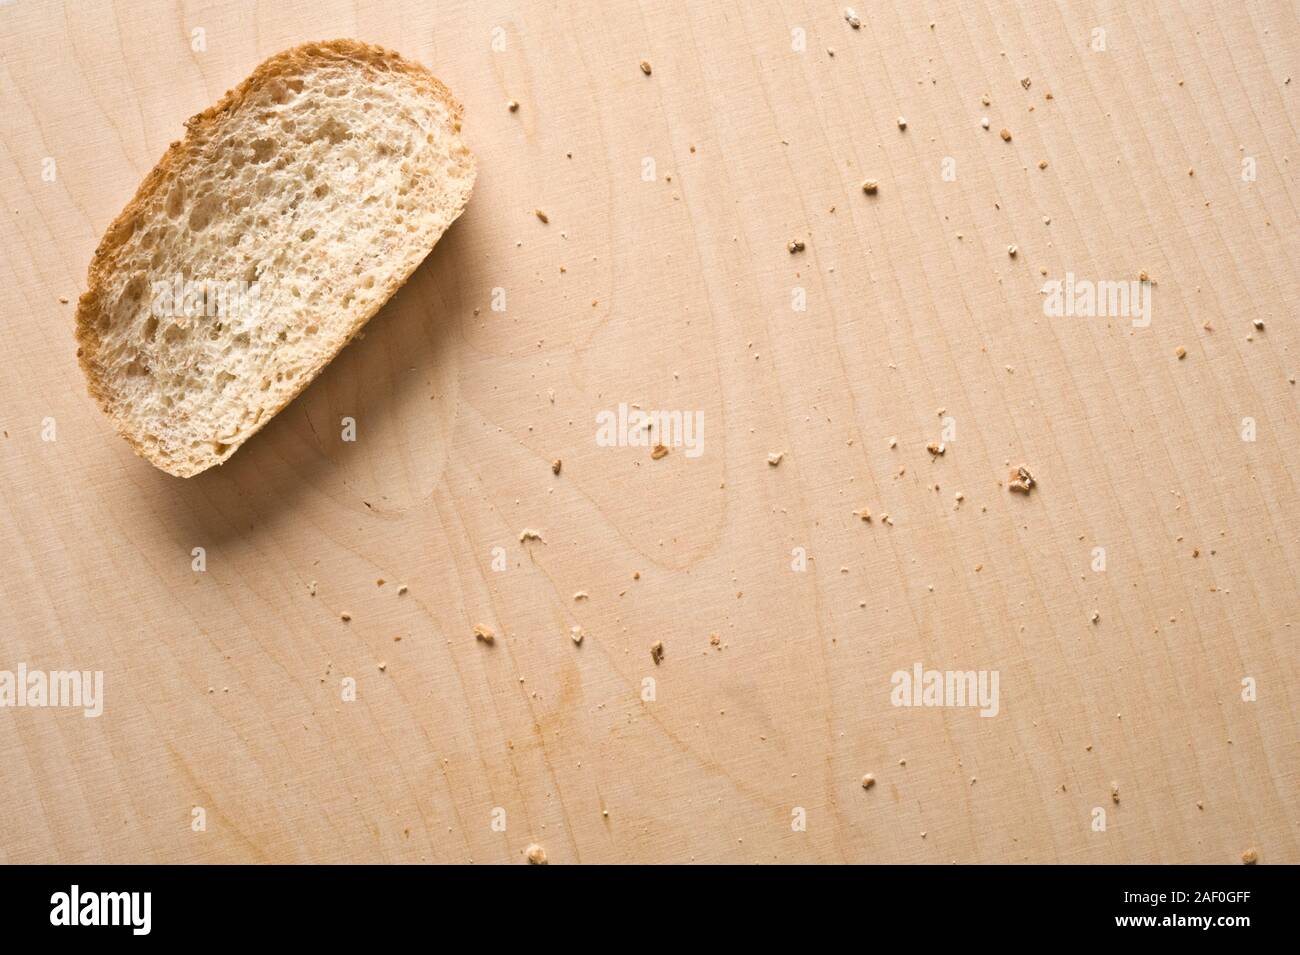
(198, 128)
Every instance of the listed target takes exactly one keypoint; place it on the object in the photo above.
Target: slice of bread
(263, 241)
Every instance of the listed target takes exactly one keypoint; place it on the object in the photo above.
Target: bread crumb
(1025, 82)
(645, 67)
(513, 105)
(868, 781)
(1258, 323)
(715, 641)
(657, 652)
(1042, 164)
(1181, 352)
(536, 854)
(542, 216)
(401, 590)
(893, 442)
(528, 534)
(576, 634)
(864, 514)
(556, 465)
(382, 665)
(984, 122)
(870, 186)
(936, 448)
(1005, 134)
(345, 616)
(1250, 856)
(902, 122)
(774, 458)
(311, 589)
(1114, 793)
(1012, 251)
(579, 595)
(63, 299)
(1021, 481)
(659, 451)
(1096, 616)
(794, 245)
(484, 633)
(851, 17)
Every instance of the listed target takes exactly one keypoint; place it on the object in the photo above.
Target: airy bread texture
(263, 241)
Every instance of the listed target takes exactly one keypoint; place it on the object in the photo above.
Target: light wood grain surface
(223, 689)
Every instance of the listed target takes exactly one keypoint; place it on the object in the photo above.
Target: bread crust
(90, 305)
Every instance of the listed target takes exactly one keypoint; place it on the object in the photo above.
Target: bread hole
(224, 378)
(263, 149)
(176, 200)
(134, 290)
(220, 447)
(294, 84)
(321, 191)
(283, 336)
(266, 384)
(202, 213)
(150, 328)
(173, 333)
(368, 282)
(312, 329)
(333, 130)
(308, 235)
(136, 368)
(242, 339)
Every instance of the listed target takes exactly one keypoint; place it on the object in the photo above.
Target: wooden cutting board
(1138, 606)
